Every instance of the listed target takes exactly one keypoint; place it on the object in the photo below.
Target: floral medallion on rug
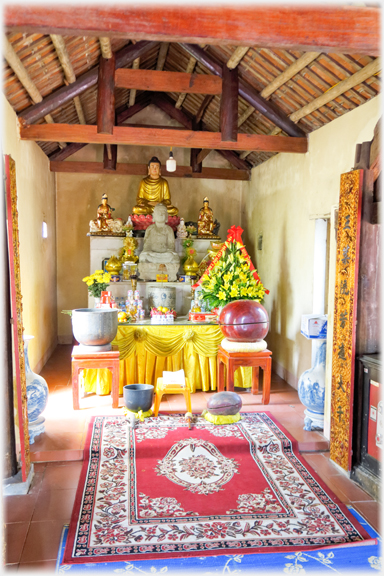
(164, 491)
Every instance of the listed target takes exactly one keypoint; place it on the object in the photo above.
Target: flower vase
(311, 390)
(96, 301)
(190, 265)
(37, 396)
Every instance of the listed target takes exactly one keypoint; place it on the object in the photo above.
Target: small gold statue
(127, 252)
(104, 224)
(205, 223)
(153, 189)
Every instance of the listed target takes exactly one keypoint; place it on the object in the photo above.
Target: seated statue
(205, 222)
(153, 189)
(104, 221)
(159, 247)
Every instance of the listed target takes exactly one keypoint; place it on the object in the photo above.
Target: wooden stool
(234, 360)
(82, 360)
(172, 389)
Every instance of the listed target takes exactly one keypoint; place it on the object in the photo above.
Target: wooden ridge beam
(162, 137)
(140, 169)
(159, 81)
(348, 29)
(59, 97)
(267, 108)
(106, 95)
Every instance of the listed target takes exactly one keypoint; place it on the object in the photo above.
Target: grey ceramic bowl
(94, 326)
(138, 396)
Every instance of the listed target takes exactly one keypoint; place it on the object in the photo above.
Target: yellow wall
(78, 196)
(278, 203)
(36, 201)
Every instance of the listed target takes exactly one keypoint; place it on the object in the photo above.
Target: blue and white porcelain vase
(311, 390)
(37, 396)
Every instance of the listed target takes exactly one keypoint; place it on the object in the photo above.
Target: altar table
(147, 349)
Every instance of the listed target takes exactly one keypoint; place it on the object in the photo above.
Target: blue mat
(363, 558)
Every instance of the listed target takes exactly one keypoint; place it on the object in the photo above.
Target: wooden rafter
(131, 135)
(204, 105)
(25, 79)
(159, 81)
(105, 47)
(162, 55)
(190, 68)
(140, 169)
(280, 80)
(62, 53)
(371, 69)
(237, 56)
(349, 29)
(59, 97)
(132, 92)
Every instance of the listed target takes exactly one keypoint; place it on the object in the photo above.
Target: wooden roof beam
(131, 135)
(25, 79)
(59, 97)
(62, 53)
(268, 109)
(229, 104)
(348, 29)
(123, 169)
(156, 81)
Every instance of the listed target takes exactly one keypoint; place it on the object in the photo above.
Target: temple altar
(146, 350)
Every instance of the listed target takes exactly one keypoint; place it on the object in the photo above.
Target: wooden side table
(234, 360)
(82, 360)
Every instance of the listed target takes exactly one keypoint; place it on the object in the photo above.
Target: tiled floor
(34, 522)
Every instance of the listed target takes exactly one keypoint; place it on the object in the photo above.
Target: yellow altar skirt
(145, 351)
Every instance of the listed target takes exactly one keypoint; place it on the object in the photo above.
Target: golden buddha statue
(153, 190)
(205, 222)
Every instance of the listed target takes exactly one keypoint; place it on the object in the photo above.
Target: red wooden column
(229, 105)
(106, 96)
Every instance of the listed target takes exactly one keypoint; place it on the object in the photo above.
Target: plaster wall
(78, 196)
(280, 203)
(36, 202)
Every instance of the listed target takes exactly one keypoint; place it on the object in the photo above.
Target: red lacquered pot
(244, 321)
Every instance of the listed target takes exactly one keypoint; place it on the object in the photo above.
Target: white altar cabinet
(102, 247)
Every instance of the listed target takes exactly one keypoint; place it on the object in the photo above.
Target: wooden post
(228, 106)
(110, 156)
(106, 96)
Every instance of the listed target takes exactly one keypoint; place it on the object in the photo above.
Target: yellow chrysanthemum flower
(221, 295)
(243, 292)
(234, 292)
(250, 291)
(86, 279)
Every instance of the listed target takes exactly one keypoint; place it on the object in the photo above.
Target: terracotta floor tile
(57, 455)
(15, 537)
(59, 477)
(43, 566)
(60, 440)
(39, 471)
(54, 505)
(370, 510)
(319, 462)
(19, 508)
(346, 490)
(42, 542)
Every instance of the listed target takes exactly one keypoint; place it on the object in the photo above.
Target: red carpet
(164, 491)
